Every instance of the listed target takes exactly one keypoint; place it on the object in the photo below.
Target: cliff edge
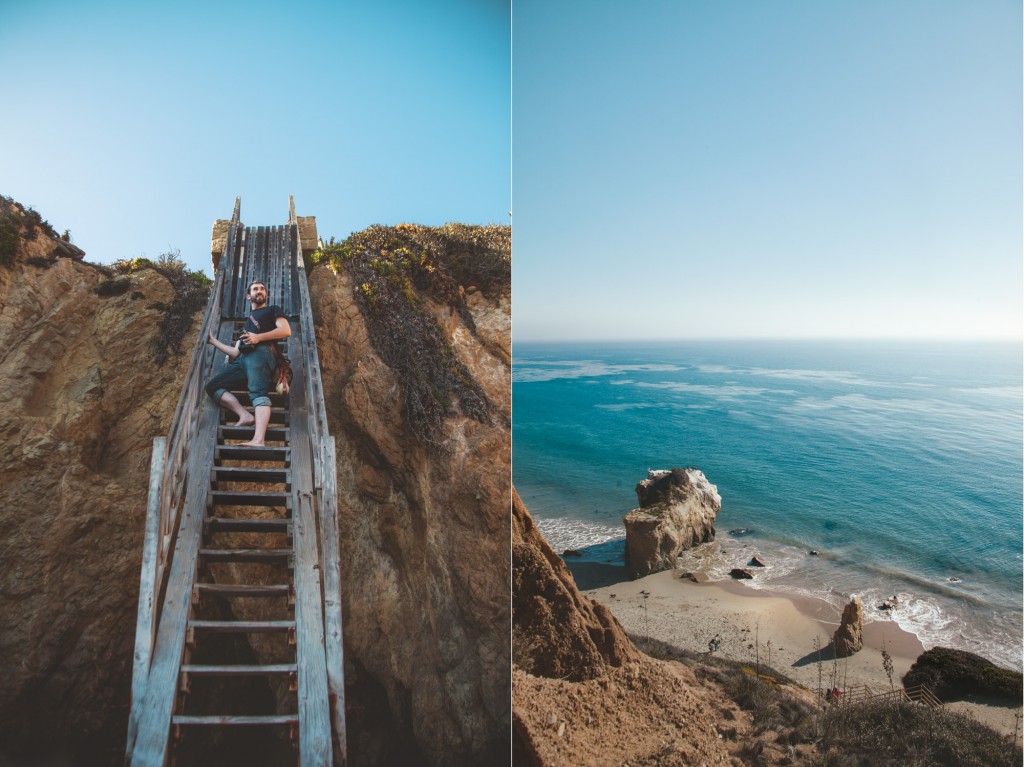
(423, 499)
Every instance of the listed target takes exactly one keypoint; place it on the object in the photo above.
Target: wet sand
(792, 635)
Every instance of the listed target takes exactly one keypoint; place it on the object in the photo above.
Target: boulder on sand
(849, 637)
(677, 512)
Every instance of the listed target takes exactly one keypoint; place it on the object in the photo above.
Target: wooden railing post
(145, 625)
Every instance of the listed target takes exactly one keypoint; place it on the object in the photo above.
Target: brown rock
(741, 573)
(424, 544)
(756, 562)
(79, 406)
(848, 638)
(556, 631)
(218, 239)
(677, 512)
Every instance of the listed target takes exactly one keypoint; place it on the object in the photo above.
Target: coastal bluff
(677, 511)
(423, 527)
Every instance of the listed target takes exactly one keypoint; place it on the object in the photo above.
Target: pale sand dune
(688, 615)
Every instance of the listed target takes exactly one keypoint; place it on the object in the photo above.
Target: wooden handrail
(163, 510)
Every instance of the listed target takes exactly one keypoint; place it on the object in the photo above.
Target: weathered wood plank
(314, 705)
(225, 525)
(268, 719)
(242, 627)
(254, 498)
(145, 625)
(245, 555)
(240, 669)
(150, 748)
(332, 599)
(245, 589)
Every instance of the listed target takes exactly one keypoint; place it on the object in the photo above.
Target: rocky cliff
(424, 522)
(424, 525)
(581, 692)
(80, 403)
(677, 511)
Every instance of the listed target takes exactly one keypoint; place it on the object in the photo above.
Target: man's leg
(217, 388)
(261, 420)
(259, 368)
(230, 402)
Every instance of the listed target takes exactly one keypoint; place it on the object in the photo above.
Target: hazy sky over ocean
(135, 124)
(759, 169)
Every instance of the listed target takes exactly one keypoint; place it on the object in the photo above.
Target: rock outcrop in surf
(677, 511)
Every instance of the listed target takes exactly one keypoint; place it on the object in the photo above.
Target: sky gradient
(135, 125)
(749, 169)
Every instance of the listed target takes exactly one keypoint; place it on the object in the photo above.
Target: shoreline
(777, 629)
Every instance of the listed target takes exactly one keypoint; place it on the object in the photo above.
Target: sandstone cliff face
(424, 542)
(581, 692)
(79, 406)
(677, 512)
(557, 632)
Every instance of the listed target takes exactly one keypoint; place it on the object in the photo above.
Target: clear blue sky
(135, 124)
(741, 168)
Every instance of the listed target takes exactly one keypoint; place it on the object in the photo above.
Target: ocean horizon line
(777, 339)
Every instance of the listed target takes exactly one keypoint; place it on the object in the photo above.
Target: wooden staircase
(238, 654)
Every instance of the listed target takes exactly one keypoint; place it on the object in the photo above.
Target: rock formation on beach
(849, 637)
(423, 526)
(677, 511)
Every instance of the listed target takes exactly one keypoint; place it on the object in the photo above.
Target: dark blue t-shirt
(263, 320)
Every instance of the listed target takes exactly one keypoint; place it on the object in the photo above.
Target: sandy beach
(754, 624)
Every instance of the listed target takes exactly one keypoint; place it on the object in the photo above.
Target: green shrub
(955, 674)
(9, 239)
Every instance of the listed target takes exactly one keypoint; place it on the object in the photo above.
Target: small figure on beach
(713, 645)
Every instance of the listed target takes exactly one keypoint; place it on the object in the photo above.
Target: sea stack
(677, 511)
(849, 638)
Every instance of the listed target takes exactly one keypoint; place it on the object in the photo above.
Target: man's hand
(250, 338)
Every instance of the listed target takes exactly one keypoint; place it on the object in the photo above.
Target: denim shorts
(255, 368)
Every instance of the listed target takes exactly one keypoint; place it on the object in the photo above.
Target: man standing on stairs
(252, 363)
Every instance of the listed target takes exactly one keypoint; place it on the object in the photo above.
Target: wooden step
(241, 627)
(245, 555)
(242, 453)
(244, 589)
(253, 498)
(240, 670)
(226, 525)
(274, 433)
(276, 417)
(245, 721)
(243, 474)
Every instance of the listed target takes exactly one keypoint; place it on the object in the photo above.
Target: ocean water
(900, 462)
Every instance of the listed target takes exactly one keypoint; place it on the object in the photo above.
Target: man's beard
(258, 303)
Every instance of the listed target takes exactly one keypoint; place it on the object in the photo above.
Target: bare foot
(246, 420)
(252, 444)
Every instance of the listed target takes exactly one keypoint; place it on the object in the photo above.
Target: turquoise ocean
(900, 462)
